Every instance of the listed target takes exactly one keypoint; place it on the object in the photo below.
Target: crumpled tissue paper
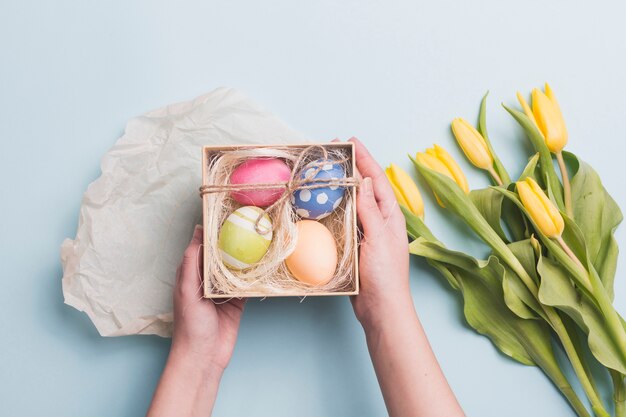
(137, 218)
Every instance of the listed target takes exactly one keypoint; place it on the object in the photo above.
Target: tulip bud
(473, 144)
(437, 159)
(405, 190)
(542, 211)
(547, 116)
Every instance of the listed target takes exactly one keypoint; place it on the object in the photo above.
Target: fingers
(368, 167)
(191, 265)
(367, 209)
(235, 307)
(238, 303)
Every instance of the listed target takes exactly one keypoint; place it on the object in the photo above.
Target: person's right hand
(384, 252)
(410, 378)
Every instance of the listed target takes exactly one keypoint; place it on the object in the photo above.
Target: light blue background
(393, 73)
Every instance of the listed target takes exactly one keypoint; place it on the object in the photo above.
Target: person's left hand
(202, 329)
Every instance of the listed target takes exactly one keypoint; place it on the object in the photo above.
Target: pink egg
(258, 171)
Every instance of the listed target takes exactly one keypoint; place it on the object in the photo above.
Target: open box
(347, 240)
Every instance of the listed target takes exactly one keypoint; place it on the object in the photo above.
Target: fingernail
(197, 231)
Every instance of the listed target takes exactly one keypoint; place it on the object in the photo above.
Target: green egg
(240, 245)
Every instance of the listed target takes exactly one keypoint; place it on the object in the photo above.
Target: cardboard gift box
(271, 278)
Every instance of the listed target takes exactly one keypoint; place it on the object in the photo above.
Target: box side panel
(205, 282)
(354, 221)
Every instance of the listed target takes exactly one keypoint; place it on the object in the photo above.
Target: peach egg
(315, 258)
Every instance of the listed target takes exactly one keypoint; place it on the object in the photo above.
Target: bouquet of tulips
(553, 254)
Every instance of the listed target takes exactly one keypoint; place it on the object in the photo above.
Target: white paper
(138, 217)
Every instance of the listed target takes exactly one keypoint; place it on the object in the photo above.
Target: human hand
(405, 364)
(202, 344)
(384, 252)
(203, 330)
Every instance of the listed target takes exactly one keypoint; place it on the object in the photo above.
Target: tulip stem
(570, 253)
(555, 321)
(579, 369)
(567, 188)
(620, 408)
(612, 319)
(495, 175)
(619, 394)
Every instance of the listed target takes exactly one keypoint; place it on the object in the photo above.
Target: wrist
(385, 313)
(191, 361)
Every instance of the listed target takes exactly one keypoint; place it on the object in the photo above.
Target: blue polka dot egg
(317, 203)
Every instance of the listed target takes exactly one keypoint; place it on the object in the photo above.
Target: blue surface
(392, 73)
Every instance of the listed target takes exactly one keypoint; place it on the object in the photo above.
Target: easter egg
(314, 259)
(240, 245)
(317, 203)
(260, 171)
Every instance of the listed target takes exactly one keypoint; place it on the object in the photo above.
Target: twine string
(296, 182)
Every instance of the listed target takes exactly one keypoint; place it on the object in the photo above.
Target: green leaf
(489, 203)
(515, 221)
(597, 215)
(436, 251)
(484, 307)
(526, 341)
(415, 226)
(619, 393)
(446, 272)
(516, 295)
(595, 314)
(454, 199)
(459, 203)
(548, 173)
(492, 207)
(482, 129)
(557, 290)
(569, 235)
(579, 341)
(531, 168)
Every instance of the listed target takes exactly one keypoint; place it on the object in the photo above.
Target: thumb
(189, 279)
(367, 208)
(197, 234)
(190, 257)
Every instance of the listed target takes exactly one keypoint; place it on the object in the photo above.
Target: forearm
(411, 380)
(187, 388)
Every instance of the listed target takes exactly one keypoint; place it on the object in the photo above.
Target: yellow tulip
(405, 190)
(473, 144)
(437, 159)
(547, 116)
(542, 211)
